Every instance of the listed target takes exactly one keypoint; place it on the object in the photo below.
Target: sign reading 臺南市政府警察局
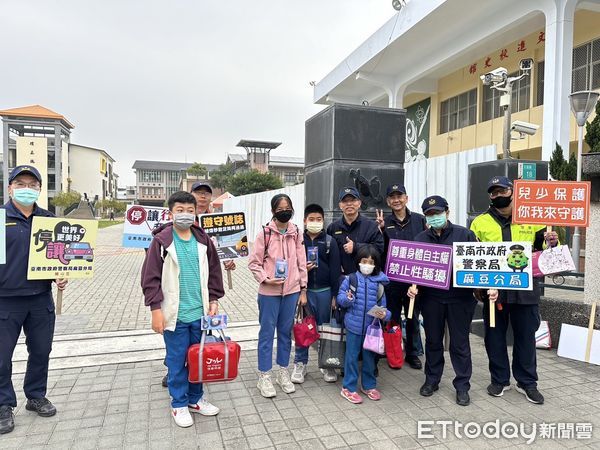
(493, 265)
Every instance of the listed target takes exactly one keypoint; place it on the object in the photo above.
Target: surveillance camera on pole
(524, 128)
(498, 79)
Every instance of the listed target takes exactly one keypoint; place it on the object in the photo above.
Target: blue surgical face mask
(25, 196)
(437, 221)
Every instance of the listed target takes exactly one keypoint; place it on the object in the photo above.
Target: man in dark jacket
(402, 224)
(520, 308)
(352, 230)
(24, 305)
(438, 306)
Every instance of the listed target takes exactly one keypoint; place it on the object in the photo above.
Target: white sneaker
(330, 375)
(298, 373)
(182, 417)
(283, 380)
(265, 385)
(204, 408)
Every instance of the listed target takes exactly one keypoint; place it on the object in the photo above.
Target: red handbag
(213, 361)
(392, 337)
(305, 328)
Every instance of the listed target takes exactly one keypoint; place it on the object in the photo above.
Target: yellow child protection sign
(61, 248)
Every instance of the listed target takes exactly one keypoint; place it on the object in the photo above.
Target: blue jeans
(320, 305)
(354, 346)
(275, 312)
(177, 342)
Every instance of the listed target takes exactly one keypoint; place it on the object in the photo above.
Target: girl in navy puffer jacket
(357, 302)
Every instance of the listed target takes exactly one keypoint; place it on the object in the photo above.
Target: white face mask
(366, 269)
(314, 227)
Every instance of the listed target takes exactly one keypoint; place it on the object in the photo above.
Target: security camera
(399, 4)
(495, 76)
(526, 64)
(524, 127)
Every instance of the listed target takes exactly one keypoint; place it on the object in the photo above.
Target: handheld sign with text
(419, 263)
(560, 203)
(493, 265)
(62, 248)
(140, 222)
(228, 233)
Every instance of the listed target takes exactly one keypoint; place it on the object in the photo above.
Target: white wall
(446, 176)
(257, 207)
(85, 171)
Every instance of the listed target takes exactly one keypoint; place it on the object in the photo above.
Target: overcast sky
(178, 80)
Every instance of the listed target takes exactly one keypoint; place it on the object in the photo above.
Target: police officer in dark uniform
(454, 307)
(24, 305)
(520, 308)
(351, 231)
(402, 224)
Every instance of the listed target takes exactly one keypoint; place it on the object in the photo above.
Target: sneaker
(298, 373)
(164, 381)
(182, 417)
(427, 390)
(41, 406)
(531, 394)
(352, 397)
(329, 375)
(204, 408)
(414, 362)
(265, 385)
(497, 390)
(462, 398)
(283, 380)
(7, 419)
(373, 394)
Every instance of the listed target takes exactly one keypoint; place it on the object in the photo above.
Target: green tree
(221, 177)
(66, 199)
(252, 182)
(197, 170)
(592, 131)
(560, 168)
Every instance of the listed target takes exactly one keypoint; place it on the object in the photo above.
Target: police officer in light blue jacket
(24, 305)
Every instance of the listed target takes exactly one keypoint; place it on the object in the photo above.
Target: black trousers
(35, 316)
(458, 316)
(395, 294)
(525, 320)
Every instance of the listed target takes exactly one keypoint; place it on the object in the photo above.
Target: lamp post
(582, 105)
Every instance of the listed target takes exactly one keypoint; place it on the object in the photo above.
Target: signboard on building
(34, 151)
(526, 171)
(419, 263)
(2, 236)
(140, 222)
(560, 203)
(228, 233)
(61, 248)
(417, 130)
(493, 265)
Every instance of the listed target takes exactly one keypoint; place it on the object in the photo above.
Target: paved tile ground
(113, 301)
(124, 405)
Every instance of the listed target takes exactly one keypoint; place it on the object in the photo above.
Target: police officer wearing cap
(454, 307)
(352, 230)
(520, 308)
(24, 305)
(402, 224)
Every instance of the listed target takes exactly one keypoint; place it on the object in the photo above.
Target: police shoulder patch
(338, 232)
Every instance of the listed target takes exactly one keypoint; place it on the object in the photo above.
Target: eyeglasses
(202, 193)
(21, 185)
(499, 191)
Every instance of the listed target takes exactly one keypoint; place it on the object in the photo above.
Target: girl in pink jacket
(278, 262)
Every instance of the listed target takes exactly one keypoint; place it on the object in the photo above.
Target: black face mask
(501, 202)
(284, 216)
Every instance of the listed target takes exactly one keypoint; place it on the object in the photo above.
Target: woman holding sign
(439, 307)
(278, 263)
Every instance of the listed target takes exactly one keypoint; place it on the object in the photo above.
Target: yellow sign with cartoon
(62, 248)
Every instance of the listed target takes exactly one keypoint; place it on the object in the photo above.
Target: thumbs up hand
(349, 246)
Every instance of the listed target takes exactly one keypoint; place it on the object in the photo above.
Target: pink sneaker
(373, 394)
(352, 397)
